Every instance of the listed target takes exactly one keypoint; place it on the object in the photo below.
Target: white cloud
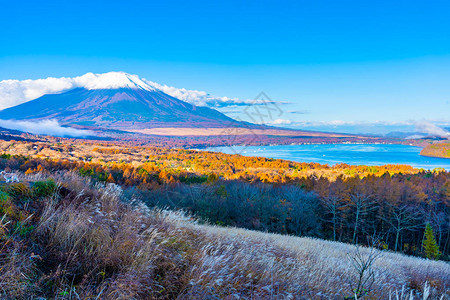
(191, 96)
(280, 122)
(415, 136)
(200, 98)
(15, 92)
(430, 128)
(45, 127)
(327, 123)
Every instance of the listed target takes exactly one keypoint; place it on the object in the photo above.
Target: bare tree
(402, 218)
(441, 223)
(334, 205)
(363, 204)
(362, 260)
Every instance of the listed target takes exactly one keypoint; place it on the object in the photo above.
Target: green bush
(4, 202)
(22, 229)
(18, 191)
(3, 196)
(44, 188)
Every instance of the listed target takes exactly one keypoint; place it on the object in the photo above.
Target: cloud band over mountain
(46, 127)
(15, 92)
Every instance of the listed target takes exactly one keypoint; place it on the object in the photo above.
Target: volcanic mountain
(122, 106)
(117, 100)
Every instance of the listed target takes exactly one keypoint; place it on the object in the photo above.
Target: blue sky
(336, 61)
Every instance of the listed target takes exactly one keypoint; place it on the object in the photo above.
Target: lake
(353, 154)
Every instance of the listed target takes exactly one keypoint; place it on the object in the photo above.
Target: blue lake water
(353, 154)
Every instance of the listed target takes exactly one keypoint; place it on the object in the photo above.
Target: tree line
(395, 207)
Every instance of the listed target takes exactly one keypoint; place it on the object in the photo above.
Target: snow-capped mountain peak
(111, 80)
(114, 100)
(14, 92)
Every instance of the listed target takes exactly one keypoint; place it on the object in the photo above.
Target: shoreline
(301, 144)
(438, 150)
(331, 160)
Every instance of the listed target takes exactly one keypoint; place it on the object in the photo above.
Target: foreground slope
(83, 240)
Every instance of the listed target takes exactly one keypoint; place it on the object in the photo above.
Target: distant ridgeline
(437, 150)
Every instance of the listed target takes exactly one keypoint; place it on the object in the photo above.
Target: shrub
(44, 188)
(18, 191)
(3, 197)
(5, 156)
(6, 207)
(22, 229)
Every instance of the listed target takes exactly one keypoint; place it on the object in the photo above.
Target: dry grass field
(87, 240)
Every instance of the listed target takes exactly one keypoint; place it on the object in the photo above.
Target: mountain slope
(119, 101)
(116, 108)
(122, 106)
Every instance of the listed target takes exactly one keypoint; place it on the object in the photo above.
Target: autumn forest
(351, 204)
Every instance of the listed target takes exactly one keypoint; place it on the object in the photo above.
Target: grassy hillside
(437, 150)
(341, 203)
(75, 239)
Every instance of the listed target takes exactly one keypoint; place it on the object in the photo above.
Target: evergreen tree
(429, 244)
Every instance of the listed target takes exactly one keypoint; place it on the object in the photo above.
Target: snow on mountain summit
(14, 92)
(111, 80)
(114, 100)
